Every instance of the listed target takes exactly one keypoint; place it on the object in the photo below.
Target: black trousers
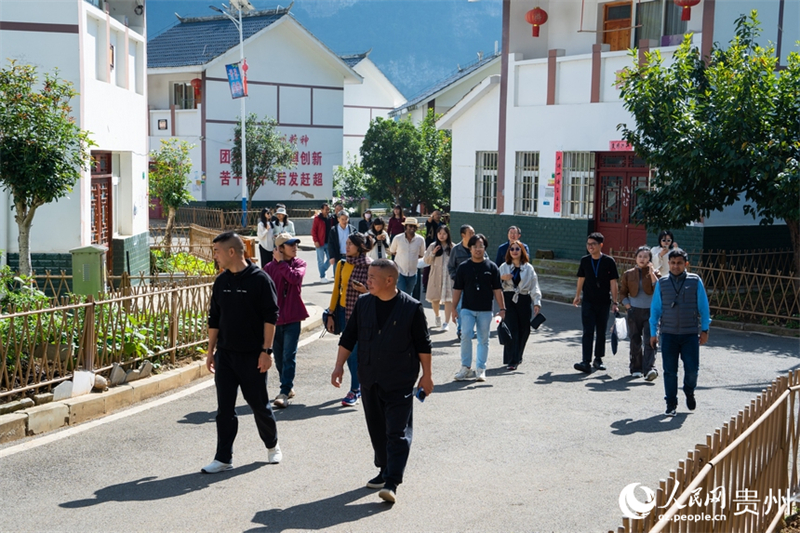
(595, 320)
(266, 256)
(389, 422)
(234, 370)
(518, 320)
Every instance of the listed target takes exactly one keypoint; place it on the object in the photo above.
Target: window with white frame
(577, 185)
(486, 181)
(526, 183)
(183, 96)
(660, 21)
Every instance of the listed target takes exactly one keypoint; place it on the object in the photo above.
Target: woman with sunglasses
(350, 282)
(523, 300)
(666, 242)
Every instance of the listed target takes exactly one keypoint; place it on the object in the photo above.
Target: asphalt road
(543, 448)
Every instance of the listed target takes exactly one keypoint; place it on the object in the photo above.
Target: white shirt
(407, 254)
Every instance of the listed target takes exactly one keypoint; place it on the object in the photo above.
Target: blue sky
(414, 42)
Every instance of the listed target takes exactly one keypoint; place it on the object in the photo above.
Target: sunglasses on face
(666, 240)
(516, 249)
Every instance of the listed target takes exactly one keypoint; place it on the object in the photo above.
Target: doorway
(101, 195)
(619, 176)
(617, 23)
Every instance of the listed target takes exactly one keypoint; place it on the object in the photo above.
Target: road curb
(54, 415)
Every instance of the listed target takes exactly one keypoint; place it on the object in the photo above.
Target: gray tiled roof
(196, 41)
(439, 86)
(354, 59)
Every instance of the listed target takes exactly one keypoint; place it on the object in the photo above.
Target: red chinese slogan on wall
(557, 182)
(305, 174)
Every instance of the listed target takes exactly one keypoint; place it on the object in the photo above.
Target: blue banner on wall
(235, 81)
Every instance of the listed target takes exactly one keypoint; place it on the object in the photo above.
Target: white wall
(364, 102)
(283, 54)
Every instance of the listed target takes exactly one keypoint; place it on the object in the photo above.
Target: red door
(101, 202)
(619, 176)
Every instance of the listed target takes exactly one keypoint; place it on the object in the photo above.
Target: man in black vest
(392, 335)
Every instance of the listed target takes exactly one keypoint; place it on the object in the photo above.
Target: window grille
(526, 184)
(485, 181)
(577, 185)
(183, 96)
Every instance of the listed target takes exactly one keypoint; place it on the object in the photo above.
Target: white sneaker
(274, 455)
(446, 326)
(480, 374)
(438, 321)
(651, 375)
(636, 375)
(464, 374)
(281, 401)
(215, 467)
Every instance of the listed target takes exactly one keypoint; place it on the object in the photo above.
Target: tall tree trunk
(24, 218)
(168, 232)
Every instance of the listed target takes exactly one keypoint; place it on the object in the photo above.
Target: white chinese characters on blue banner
(235, 81)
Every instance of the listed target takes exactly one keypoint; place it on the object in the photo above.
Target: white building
(537, 146)
(291, 77)
(100, 48)
(446, 93)
(374, 98)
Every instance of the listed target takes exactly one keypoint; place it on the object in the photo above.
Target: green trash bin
(89, 269)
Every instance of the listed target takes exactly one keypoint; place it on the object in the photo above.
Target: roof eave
(446, 121)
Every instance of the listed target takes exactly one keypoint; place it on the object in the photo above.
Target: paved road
(539, 449)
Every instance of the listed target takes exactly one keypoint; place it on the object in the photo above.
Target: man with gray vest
(392, 335)
(679, 299)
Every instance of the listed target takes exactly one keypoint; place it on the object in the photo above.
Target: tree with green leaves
(718, 131)
(268, 151)
(349, 181)
(406, 164)
(169, 180)
(42, 151)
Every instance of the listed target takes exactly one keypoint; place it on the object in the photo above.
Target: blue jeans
(687, 347)
(323, 261)
(406, 283)
(285, 348)
(352, 360)
(470, 320)
(458, 308)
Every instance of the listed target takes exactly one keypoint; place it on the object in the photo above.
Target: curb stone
(54, 415)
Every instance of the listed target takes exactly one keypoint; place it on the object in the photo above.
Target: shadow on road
(206, 417)
(654, 424)
(549, 378)
(151, 488)
(299, 411)
(606, 383)
(321, 514)
(455, 386)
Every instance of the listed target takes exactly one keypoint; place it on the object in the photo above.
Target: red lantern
(196, 84)
(686, 12)
(537, 16)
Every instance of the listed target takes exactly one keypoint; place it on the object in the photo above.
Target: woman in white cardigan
(266, 242)
(523, 300)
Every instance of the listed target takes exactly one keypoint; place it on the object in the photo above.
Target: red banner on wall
(557, 182)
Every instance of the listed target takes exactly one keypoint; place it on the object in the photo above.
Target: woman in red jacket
(287, 271)
(396, 222)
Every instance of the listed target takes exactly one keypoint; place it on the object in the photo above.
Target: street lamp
(246, 6)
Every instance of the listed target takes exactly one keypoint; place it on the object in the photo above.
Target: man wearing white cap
(407, 248)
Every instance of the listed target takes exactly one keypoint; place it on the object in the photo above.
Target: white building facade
(101, 49)
(542, 151)
(291, 77)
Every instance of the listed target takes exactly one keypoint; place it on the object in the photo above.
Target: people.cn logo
(631, 507)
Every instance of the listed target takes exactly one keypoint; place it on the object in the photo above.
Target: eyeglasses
(592, 243)
(666, 240)
(515, 249)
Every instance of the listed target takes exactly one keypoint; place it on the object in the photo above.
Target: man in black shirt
(392, 335)
(241, 327)
(597, 280)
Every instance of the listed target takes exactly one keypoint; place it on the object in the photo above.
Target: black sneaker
(583, 367)
(598, 364)
(691, 403)
(670, 410)
(388, 493)
(377, 482)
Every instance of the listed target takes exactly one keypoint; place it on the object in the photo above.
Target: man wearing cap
(337, 238)
(407, 249)
(287, 272)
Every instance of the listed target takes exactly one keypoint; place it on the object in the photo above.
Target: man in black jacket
(392, 335)
(241, 327)
(337, 237)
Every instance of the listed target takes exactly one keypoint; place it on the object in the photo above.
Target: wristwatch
(268, 351)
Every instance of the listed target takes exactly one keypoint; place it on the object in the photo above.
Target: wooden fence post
(89, 336)
(173, 325)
